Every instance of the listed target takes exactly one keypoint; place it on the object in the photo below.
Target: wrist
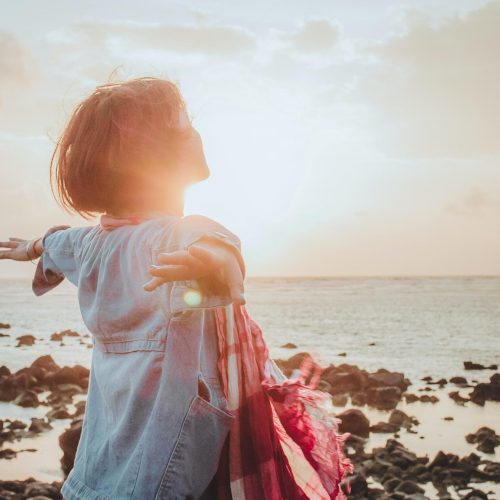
(34, 249)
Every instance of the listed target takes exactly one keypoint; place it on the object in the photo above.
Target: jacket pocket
(197, 450)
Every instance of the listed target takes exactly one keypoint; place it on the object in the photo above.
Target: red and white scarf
(284, 443)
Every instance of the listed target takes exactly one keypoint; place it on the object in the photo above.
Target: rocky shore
(385, 472)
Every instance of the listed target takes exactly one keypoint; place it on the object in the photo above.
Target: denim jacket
(156, 417)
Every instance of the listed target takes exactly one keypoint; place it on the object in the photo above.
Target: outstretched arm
(24, 250)
(210, 262)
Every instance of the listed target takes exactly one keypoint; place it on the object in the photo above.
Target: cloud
(209, 40)
(14, 61)
(435, 88)
(476, 202)
(315, 35)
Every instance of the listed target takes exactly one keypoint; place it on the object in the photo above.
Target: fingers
(152, 284)
(234, 280)
(180, 257)
(209, 258)
(17, 239)
(9, 244)
(174, 273)
(5, 254)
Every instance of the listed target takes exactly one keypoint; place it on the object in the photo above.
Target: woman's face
(189, 165)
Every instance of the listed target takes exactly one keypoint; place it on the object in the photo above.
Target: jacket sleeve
(201, 293)
(57, 261)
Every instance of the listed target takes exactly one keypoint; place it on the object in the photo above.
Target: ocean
(419, 326)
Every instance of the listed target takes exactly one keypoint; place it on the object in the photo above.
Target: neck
(171, 203)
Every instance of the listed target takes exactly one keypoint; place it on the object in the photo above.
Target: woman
(151, 287)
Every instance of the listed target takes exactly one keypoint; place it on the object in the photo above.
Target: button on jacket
(156, 417)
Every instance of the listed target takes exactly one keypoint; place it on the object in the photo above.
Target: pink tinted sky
(344, 138)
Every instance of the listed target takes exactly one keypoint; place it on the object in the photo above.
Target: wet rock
(384, 398)
(458, 380)
(345, 382)
(4, 326)
(355, 422)
(487, 391)
(401, 419)
(455, 395)
(485, 438)
(77, 374)
(17, 424)
(476, 494)
(39, 425)
(384, 427)
(25, 340)
(289, 345)
(339, 400)
(358, 399)
(68, 441)
(4, 371)
(27, 399)
(426, 398)
(385, 378)
(469, 365)
(342, 354)
(448, 418)
(358, 484)
(409, 487)
(46, 362)
(8, 453)
(58, 413)
(79, 408)
(4, 334)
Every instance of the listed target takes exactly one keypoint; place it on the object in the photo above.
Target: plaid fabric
(284, 442)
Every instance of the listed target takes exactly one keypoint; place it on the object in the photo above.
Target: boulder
(355, 422)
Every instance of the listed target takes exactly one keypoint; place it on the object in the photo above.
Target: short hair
(115, 137)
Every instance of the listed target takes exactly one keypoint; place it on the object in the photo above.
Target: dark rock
(469, 365)
(17, 424)
(27, 399)
(409, 487)
(25, 340)
(401, 419)
(345, 382)
(355, 422)
(486, 439)
(342, 354)
(68, 441)
(39, 425)
(384, 427)
(489, 391)
(289, 345)
(4, 325)
(339, 400)
(458, 380)
(384, 398)
(8, 453)
(46, 362)
(358, 399)
(58, 413)
(455, 395)
(385, 378)
(476, 495)
(358, 484)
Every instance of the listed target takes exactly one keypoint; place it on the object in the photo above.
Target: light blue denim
(156, 417)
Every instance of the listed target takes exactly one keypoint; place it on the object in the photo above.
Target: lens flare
(192, 298)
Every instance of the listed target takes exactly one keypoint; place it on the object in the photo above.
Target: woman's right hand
(18, 247)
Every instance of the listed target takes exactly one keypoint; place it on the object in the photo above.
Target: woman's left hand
(204, 260)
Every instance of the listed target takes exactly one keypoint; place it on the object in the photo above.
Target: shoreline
(387, 415)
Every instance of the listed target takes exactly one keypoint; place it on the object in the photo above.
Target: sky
(354, 138)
